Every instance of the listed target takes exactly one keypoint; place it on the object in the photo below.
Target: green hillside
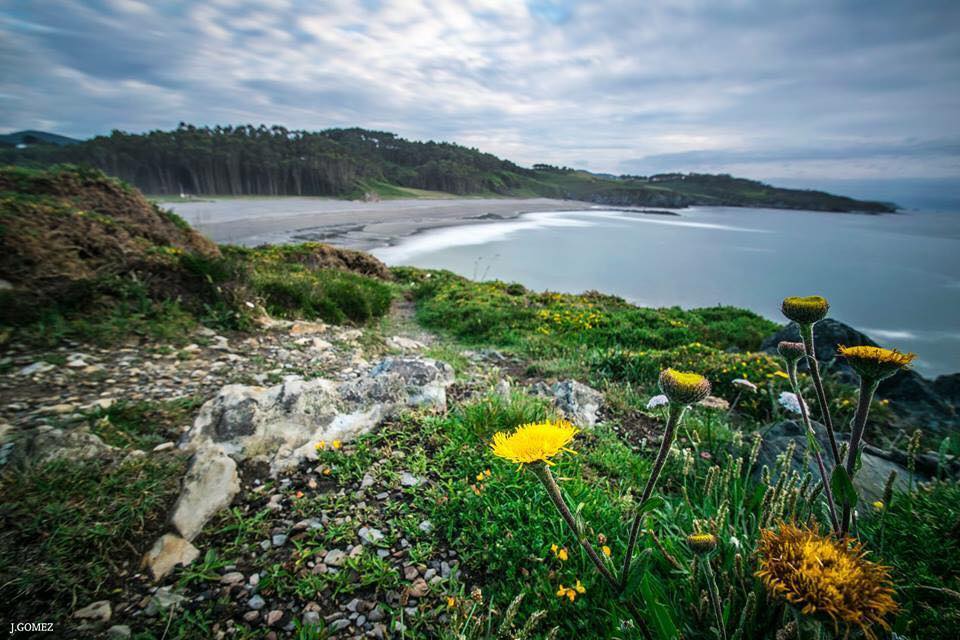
(272, 161)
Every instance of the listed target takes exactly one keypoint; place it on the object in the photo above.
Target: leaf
(653, 502)
(663, 624)
(843, 489)
(812, 443)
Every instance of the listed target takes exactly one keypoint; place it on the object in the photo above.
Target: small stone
(98, 611)
(279, 540)
(339, 625)
(429, 574)
(376, 615)
(410, 573)
(426, 526)
(118, 632)
(232, 578)
(254, 579)
(251, 616)
(256, 603)
(407, 479)
(265, 545)
(418, 589)
(370, 535)
(335, 558)
(311, 618)
(367, 481)
(167, 552)
(37, 368)
(274, 617)
(166, 446)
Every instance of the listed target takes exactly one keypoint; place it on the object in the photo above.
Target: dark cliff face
(920, 402)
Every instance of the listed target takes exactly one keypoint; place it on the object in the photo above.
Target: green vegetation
(71, 528)
(271, 161)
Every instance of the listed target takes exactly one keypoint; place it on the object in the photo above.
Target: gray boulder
(579, 403)
(281, 424)
(870, 480)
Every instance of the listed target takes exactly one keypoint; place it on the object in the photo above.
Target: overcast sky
(761, 88)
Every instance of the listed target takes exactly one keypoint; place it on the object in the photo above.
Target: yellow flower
(825, 577)
(321, 445)
(782, 374)
(562, 554)
(875, 363)
(479, 477)
(535, 442)
(878, 505)
(682, 387)
(326, 471)
(554, 548)
(805, 310)
(451, 602)
(606, 550)
(571, 592)
(337, 444)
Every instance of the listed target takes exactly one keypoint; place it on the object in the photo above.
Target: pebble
(426, 526)
(335, 558)
(256, 603)
(232, 578)
(311, 618)
(251, 616)
(279, 540)
(370, 535)
(407, 479)
(274, 617)
(118, 632)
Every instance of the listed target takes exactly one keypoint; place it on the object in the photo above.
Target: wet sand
(353, 224)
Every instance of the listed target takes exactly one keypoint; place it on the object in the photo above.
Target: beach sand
(354, 224)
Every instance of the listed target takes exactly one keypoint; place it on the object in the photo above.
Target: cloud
(757, 88)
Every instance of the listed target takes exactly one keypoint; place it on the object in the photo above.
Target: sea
(895, 277)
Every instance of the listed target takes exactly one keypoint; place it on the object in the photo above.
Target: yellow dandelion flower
(487, 472)
(451, 602)
(805, 309)
(321, 445)
(562, 554)
(875, 363)
(327, 472)
(682, 387)
(825, 577)
(606, 550)
(534, 442)
(337, 444)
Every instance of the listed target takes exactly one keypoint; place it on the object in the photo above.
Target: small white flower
(790, 402)
(743, 383)
(735, 542)
(657, 401)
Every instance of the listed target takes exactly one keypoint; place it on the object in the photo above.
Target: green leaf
(812, 443)
(663, 624)
(843, 489)
(652, 503)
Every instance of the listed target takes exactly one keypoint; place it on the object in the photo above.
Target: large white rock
(209, 486)
(283, 423)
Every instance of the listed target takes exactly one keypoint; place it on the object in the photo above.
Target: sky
(807, 90)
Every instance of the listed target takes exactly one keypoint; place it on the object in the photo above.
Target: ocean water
(894, 277)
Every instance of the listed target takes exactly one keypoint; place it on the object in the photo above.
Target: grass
(142, 425)
(72, 528)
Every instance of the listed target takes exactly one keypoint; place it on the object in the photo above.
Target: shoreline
(360, 225)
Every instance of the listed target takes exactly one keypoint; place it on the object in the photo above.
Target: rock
(118, 632)
(310, 618)
(251, 616)
(426, 526)
(166, 446)
(98, 611)
(304, 328)
(36, 368)
(162, 600)
(410, 573)
(279, 540)
(339, 625)
(209, 486)
(232, 578)
(256, 603)
(370, 535)
(948, 387)
(44, 443)
(912, 397)
(283, 423)
(167, 552)
(335, 558)
(367, 481)
(418, 589)
(578, 402)
(401, 343)
(870, 480)
(274, 617)
(407, 479)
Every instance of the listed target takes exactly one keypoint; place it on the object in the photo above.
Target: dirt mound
(316, 255)
(67, 224)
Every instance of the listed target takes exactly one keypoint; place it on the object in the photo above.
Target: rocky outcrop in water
(929, 404)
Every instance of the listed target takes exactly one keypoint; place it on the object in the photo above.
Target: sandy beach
(353, 224)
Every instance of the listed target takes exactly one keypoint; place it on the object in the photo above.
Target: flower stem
(673, 419)
(867, 389)
(792, 369)
(714, 596)
(806, 334)
(542, 471)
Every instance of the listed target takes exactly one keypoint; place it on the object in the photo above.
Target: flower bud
(791, 351)
(702, 543)
(682, 387)
(805, 310)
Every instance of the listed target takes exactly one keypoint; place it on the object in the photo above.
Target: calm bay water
(894, 277)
